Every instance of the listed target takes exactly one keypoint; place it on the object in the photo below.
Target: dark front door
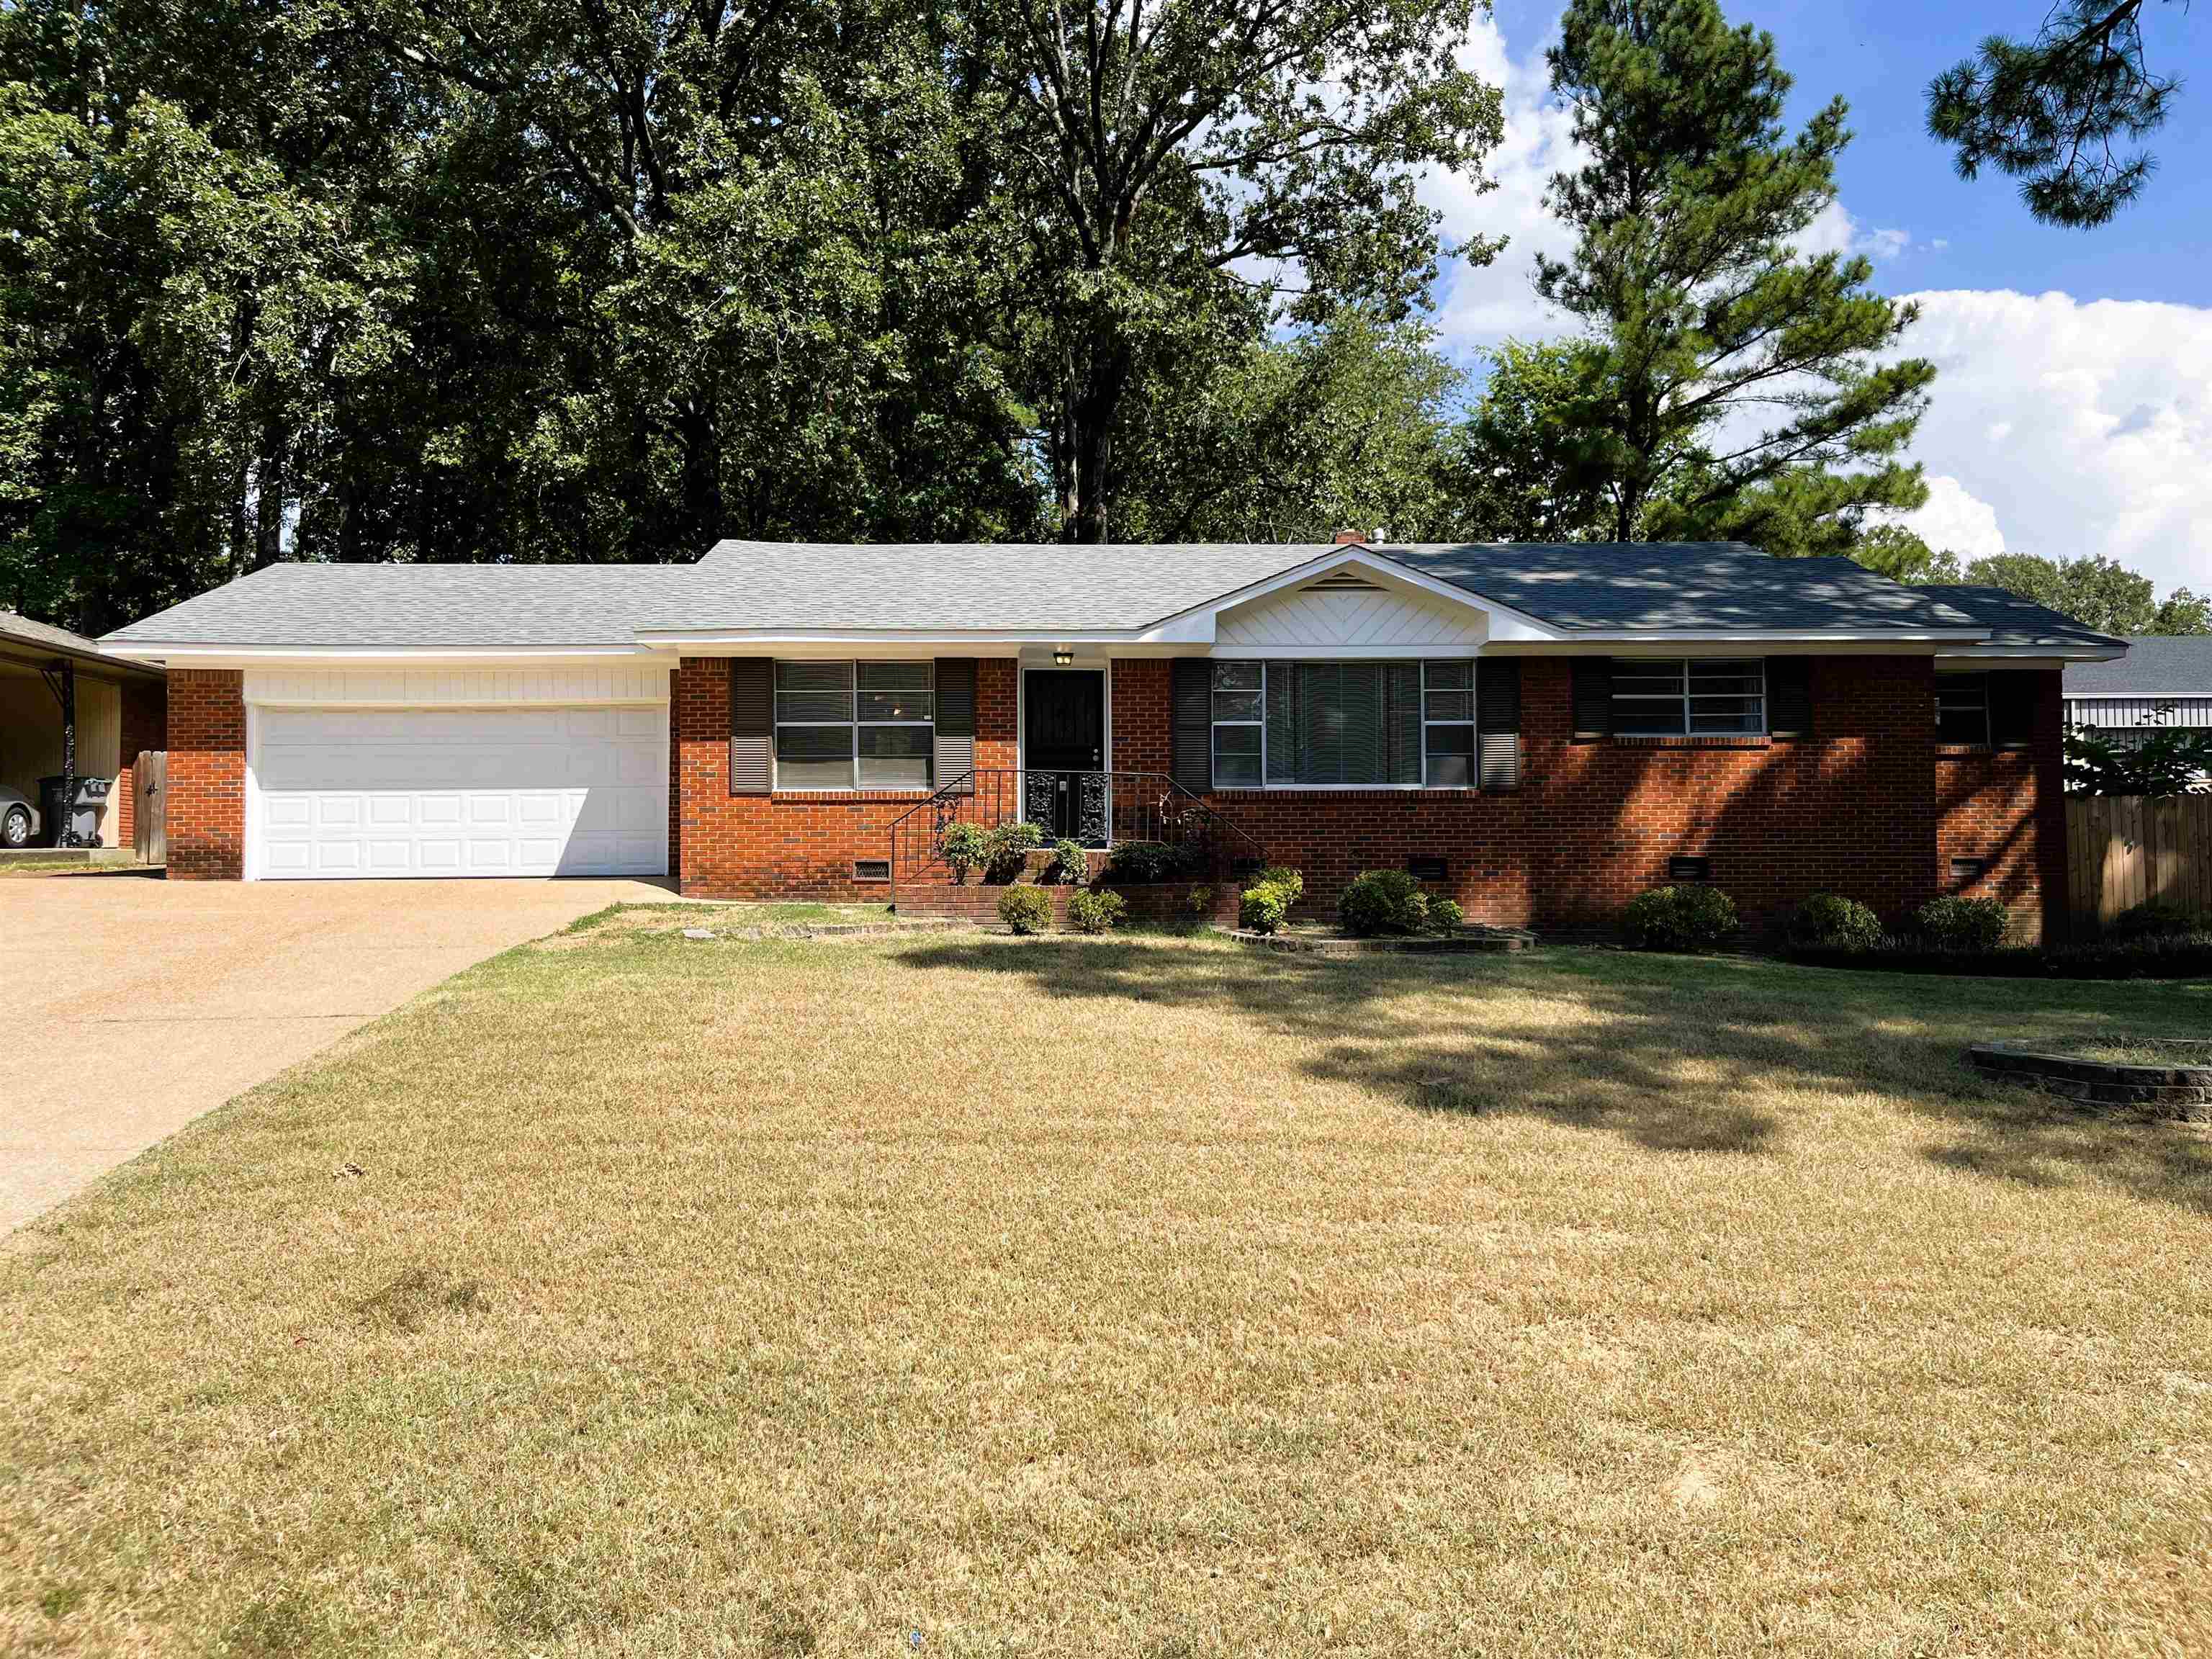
(1064, 749)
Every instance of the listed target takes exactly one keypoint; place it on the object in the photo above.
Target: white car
(19, 819)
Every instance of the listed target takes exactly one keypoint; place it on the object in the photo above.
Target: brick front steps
(2181, 1093)
(1467, 941)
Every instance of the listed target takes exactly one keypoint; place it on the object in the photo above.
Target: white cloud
(1956, 518)
(2063, 427)
(1833, 230)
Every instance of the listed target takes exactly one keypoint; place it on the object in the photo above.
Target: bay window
(855, 725)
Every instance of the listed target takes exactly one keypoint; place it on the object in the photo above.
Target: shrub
(1140, 863)
(2160, 956)
(1383, 901)
(966, 846)
(1445, 916)
(1293, 885)
(1025, 909)
(1069, 863)
(1262, 910)
(1009, 846)
(1690, 917)
(1201, 900)
(1829, 921)
(2154, 919)
(1952, 923)
(1094, 910)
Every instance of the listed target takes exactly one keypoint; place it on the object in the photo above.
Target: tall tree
(2097, 592)
(1187, 157)
(1738, 374)
(2059, 111)
(1523, 466)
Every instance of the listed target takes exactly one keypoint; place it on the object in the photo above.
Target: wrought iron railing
(1099, 809)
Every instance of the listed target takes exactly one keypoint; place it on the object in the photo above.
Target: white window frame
(853, 723)
(1687, 700)
(1266, 665)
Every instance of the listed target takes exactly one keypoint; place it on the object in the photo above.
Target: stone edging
(1468, 943)
(2175, 1093)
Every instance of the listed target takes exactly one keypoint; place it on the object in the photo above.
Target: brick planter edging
(1162, 902)
(1463, 943)
(2172, 1093)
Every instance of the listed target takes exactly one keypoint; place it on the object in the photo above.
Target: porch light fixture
(1062, 656)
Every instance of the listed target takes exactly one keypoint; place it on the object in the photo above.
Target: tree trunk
(272, 480)
(1091, 409)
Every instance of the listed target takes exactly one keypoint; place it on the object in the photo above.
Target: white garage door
(533, 791)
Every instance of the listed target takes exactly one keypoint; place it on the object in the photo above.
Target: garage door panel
(461, 792)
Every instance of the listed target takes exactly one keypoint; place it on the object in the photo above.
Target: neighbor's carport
(70, 709)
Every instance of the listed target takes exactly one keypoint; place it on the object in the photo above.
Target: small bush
(1380, 902)
(1952, 923)
(1141, 863)
(1690, 917)
(2154, 919)
(1829, 921)
(1201, 900)
(1008, 847)
(1445, 916)
(1025, 909)
(1263, 909)
(1094, 910)
(1069, 863)
(1292, 884)
(966, 846)
(2160, 956)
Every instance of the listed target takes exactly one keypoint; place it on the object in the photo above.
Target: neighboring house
(2164, 682)
(114, 707)
(1541, 732)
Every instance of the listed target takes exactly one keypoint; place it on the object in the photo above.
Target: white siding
(457, 688)
(1382, 619)
(2188, 712)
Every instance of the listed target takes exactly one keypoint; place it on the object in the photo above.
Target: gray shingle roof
(1714, 588)
(457, 606)
(44, 639)
(2156, 665)
(2013, 620)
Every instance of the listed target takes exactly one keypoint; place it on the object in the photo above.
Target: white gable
(1351, 608)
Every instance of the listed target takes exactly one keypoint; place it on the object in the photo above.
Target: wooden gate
(2124, 850)
(149, 819)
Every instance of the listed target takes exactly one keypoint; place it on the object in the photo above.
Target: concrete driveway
(130, 1004)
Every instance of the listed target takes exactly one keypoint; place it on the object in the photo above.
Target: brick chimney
(1351, 538)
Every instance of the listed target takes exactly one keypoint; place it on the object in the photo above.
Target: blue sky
(2072, 411)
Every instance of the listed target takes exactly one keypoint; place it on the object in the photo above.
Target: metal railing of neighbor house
(1106, 808)
(2125, 850)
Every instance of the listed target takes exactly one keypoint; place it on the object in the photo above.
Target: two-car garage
(438, 772)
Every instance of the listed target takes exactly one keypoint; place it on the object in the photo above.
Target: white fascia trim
(2072, 696)
(741, 640)
(243, 656)
(1341, 654)
(1380, 564)
(1772, 635)
(2042, 653)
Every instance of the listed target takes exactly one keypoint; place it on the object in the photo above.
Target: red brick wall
(2007, 808)
(1856, 808)
(145, 725)
(801, 843)
(207, 774)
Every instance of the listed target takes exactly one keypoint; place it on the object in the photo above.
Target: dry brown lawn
(958, 1295)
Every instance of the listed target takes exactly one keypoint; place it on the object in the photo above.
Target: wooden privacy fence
(149, 785)
(2123, 850)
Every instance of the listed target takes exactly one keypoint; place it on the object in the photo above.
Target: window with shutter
(1498, 723)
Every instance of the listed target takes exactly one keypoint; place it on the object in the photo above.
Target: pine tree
(1738, 372)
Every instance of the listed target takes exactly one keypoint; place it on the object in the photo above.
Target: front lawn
(952, 1294)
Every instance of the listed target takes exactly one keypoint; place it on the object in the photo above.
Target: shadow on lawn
(1663, 1051)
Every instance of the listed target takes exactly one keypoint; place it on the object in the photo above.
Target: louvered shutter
(1790, 697)
(1191, 755)
(2012, 709)
(955, 733)
(1593, 696)
(752, 725)
(1497, 723)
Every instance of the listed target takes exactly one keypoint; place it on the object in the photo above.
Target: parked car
(19, 819)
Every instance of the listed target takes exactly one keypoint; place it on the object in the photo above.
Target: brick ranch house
(1539, 732)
